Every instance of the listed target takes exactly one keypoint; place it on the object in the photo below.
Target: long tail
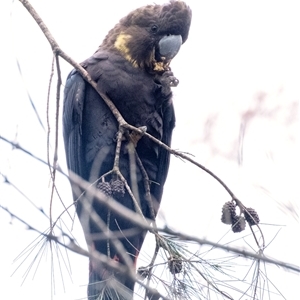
(105, 284)
(113, 287)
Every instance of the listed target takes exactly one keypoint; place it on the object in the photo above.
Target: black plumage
(131, 67)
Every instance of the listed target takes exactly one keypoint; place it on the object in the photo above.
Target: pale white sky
(241, 62)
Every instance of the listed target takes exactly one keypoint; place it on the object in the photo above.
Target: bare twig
(17, 146)
(136, 218)
(146, 224)
(56, 49)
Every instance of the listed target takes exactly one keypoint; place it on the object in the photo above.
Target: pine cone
(251, 216)
(117, 188)
(175, 264)
(104, 187)
(238, 224)
(228, 212)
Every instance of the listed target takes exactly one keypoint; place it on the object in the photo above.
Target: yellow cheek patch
(160, 66)
(121, 44)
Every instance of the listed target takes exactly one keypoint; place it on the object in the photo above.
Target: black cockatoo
(131, 67)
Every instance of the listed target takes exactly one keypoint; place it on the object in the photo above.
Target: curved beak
(169, 46)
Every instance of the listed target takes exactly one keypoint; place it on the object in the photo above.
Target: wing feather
(74, 97)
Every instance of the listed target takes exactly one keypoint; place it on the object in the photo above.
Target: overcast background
(237, 113)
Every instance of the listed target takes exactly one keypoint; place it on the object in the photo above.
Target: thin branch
(17, 146)
(56, 49)
(144, 223)
(244, 253)
(29, 96)
(137, 219)
(55, 156)
(52, 171)
(95, 255)
(118, 149)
